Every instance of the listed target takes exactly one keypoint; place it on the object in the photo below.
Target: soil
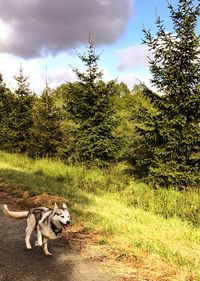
(19, 264)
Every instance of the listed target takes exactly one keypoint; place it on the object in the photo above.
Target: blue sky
(41, 35)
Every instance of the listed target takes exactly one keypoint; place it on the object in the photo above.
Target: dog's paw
(28, 247)
(48, 254)
(37, 244)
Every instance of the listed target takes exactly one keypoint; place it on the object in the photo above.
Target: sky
(42, 36)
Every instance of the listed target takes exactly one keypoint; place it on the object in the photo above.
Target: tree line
(95, 122)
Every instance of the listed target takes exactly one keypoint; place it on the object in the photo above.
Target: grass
(131, 216)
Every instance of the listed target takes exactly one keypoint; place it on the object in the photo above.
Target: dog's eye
(62, 217)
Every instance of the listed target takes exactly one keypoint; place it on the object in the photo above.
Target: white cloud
(107, 76)
(5, 31)
(133, 57)
(36, 70)
(8, 67)
(130, 80)
(58, 72)
(61, 75)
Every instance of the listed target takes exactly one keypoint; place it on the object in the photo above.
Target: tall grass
(168, 203)
(172, 239)
(53, 176)
(162, 222)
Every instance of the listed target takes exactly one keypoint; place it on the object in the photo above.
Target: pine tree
(21, 118)
(6, 106)
(89, 103)
(3, 99)
(45, 134)
(172, 135)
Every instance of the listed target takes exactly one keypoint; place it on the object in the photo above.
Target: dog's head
(61, 215)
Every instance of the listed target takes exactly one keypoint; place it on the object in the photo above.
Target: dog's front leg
(45, 247)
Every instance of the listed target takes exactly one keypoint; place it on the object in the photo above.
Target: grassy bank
(131, 216)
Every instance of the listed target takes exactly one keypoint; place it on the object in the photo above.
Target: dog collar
(55, 229)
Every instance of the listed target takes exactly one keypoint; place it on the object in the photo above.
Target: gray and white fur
(48, 223)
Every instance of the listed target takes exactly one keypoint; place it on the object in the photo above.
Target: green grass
(168, 203)
(56, 177)
(161, 222)
(172, 239)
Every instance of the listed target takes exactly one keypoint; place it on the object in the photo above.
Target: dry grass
(138, 266)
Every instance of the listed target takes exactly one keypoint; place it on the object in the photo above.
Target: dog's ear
(64, 206)
(55, 207)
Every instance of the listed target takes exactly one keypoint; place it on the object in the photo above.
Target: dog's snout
(68, 222)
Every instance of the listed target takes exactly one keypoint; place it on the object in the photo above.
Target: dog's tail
(14, 215)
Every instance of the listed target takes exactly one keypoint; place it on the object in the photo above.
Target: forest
(97, 123)
(126, 161)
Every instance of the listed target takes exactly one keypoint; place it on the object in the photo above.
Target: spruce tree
(171, 155)
(21, 114)
(90, 106)
(45, 134)
(2, 97)
(3, 100)
(7, 100)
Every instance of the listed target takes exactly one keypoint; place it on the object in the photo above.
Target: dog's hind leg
(45, 248)
(39, 236)
(29, 230)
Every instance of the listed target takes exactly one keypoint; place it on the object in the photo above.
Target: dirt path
(19, 264)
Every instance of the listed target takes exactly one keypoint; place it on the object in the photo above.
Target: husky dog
(47, 222)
